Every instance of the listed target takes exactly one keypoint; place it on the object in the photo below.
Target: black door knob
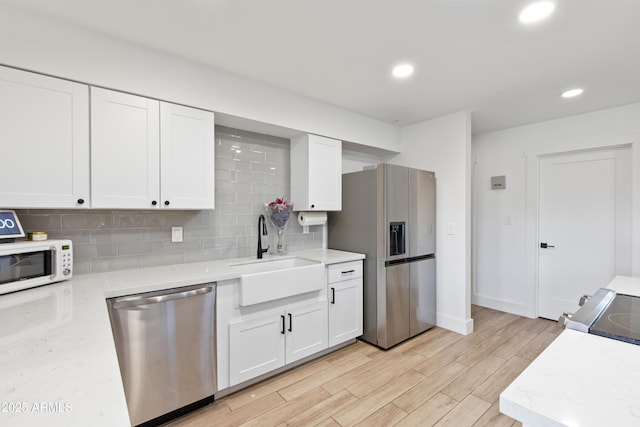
(153, 203)
(313, 206)
(81, 201)
(166, 203)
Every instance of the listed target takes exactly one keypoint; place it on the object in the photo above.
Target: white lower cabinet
(345, 301)
(264, 341)
(256, 339)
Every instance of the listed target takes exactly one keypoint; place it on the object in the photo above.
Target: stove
(607, 314)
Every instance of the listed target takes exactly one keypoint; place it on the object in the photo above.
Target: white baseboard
(460, 326)
(506, 306)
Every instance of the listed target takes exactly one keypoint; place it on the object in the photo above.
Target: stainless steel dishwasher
(165, 342)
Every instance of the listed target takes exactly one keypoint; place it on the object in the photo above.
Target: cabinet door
(345, 310)
(187, 157)
(256, 346)
(45, 141)
(325, 174)
(125, 150)
(306, 329)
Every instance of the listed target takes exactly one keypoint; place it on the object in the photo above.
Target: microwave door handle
(54, 264)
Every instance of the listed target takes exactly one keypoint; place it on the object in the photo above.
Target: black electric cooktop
(620, 320)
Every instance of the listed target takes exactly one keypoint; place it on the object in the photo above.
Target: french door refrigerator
(388, 213)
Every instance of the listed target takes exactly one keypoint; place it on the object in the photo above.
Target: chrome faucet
(264, 233)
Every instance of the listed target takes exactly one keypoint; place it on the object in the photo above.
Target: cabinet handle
(333, 295)
(348, 271)
(282, 318)
(81, 201)
(313, 206)
(290, 323)
(153, 203)
(166, 203)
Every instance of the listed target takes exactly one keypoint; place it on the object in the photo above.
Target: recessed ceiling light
(572, 92)
(536, 12)
(403, 70)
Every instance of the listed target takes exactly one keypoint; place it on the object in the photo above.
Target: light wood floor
(438, 378)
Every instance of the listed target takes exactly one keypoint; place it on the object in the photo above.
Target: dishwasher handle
(138, 300)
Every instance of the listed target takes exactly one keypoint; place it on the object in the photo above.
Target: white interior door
(585, 222)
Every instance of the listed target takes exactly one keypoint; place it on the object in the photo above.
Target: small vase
(280, 248)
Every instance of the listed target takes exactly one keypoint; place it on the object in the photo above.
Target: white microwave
(25, 265)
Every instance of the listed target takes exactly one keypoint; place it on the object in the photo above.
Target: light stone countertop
(58, 361)
(580, 380)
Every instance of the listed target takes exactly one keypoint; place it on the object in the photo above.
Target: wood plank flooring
(438, 379)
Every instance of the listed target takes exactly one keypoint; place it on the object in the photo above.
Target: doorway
(584, 225)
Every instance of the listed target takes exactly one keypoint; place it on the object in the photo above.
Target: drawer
(344, 271)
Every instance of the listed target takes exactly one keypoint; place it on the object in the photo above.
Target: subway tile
(223, 243)
(250, 177)
(116, 235)
(238, 230)
(46, 222)
(99, 265)
(265, 188)
(154, 260)
(184, 247)
(87, 221)
(139, 248)
(201, 232)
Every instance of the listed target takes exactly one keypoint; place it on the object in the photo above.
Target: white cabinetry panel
(187, 157)
(345, 301)
(316, 173)
(45, 141)
(125, 150)
(256, 346)
(306, 330)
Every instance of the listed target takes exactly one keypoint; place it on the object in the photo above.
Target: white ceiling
(468, 54)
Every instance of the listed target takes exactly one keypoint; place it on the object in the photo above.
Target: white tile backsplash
(251, 170)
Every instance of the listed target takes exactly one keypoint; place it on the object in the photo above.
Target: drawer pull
(333, 295)
(282, 318)
(348, 271)
(290, 323)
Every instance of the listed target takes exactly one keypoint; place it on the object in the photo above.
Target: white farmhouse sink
(271, 279)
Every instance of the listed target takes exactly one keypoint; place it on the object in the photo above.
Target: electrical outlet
(176, 234)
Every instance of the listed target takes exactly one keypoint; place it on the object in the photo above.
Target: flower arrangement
(279, 212)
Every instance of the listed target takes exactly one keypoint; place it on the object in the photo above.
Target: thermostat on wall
(499, 182)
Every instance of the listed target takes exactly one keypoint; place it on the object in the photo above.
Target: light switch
(176, 234)
(451, 229)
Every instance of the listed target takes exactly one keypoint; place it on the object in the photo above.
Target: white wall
(443, 145)
(504, 256)
(40, 44)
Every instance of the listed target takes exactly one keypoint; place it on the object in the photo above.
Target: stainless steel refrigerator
(388, 213)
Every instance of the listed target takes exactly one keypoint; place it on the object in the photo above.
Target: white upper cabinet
(187, 157)
(316, 173)
(125, 150)
(149, 154)
(44, 135)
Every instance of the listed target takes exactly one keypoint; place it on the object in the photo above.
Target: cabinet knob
(81, 201)
(166, 203)
(153, 203)
(313, 206)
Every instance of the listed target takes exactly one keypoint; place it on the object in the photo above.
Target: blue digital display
(9, 225)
